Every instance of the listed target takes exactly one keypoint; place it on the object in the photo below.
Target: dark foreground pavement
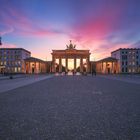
(71, 108)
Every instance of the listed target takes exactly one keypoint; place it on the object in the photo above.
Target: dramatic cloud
(99, 25)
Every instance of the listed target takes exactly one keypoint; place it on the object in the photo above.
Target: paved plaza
(71, 108)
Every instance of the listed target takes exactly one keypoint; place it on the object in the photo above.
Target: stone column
(106, 69)
(66, 61)
(53, 64)
(29, 67)
(81, 64)
(60, 65)
(87, 61)
(102, 68)
(74, 64)
(112, 68)
(39, 68)
(35, 70)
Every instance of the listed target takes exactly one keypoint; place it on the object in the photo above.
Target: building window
(19, 62)
(122, 69)
(129, 70)
(126, 63)
(137, 63)
(133, 63)
(19, 69)
(122, 62)
(124, 57)
(125, 69)
(15, 69)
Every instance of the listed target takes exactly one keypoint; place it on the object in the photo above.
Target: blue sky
(42, 25)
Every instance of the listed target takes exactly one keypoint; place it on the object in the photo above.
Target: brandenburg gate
(70, 59)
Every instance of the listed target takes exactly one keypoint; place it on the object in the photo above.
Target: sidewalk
(125, 78)
(3, 77)
(9, 84)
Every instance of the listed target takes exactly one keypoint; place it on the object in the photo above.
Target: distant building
(12, 60)
(107, 65)
(35, 65)
(19, 60)
(128, 59)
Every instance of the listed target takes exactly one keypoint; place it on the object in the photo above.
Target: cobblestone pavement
(9, 84)
(125, 78)
(71, 108)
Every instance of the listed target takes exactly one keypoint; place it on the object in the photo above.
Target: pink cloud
(23, 25)
(7, 45)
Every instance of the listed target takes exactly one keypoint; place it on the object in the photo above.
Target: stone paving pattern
(71, 108)
(17, 81)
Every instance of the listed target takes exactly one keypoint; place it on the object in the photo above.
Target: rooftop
(108, 59)
(15, 49)
(126, 49)
(32, 59)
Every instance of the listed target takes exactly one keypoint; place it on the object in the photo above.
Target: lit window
(19, 69)
(15, 69)
(19, 62)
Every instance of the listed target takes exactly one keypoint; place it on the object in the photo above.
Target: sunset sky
(42, 25)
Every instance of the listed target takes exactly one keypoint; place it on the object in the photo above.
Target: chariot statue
(71, 46)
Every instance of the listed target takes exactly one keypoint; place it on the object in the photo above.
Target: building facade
(12, 60)
(107, 65)
(128, 60)
(70, 59)
(35, 65)
(19, 60)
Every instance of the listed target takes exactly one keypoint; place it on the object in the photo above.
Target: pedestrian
(95, 72)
